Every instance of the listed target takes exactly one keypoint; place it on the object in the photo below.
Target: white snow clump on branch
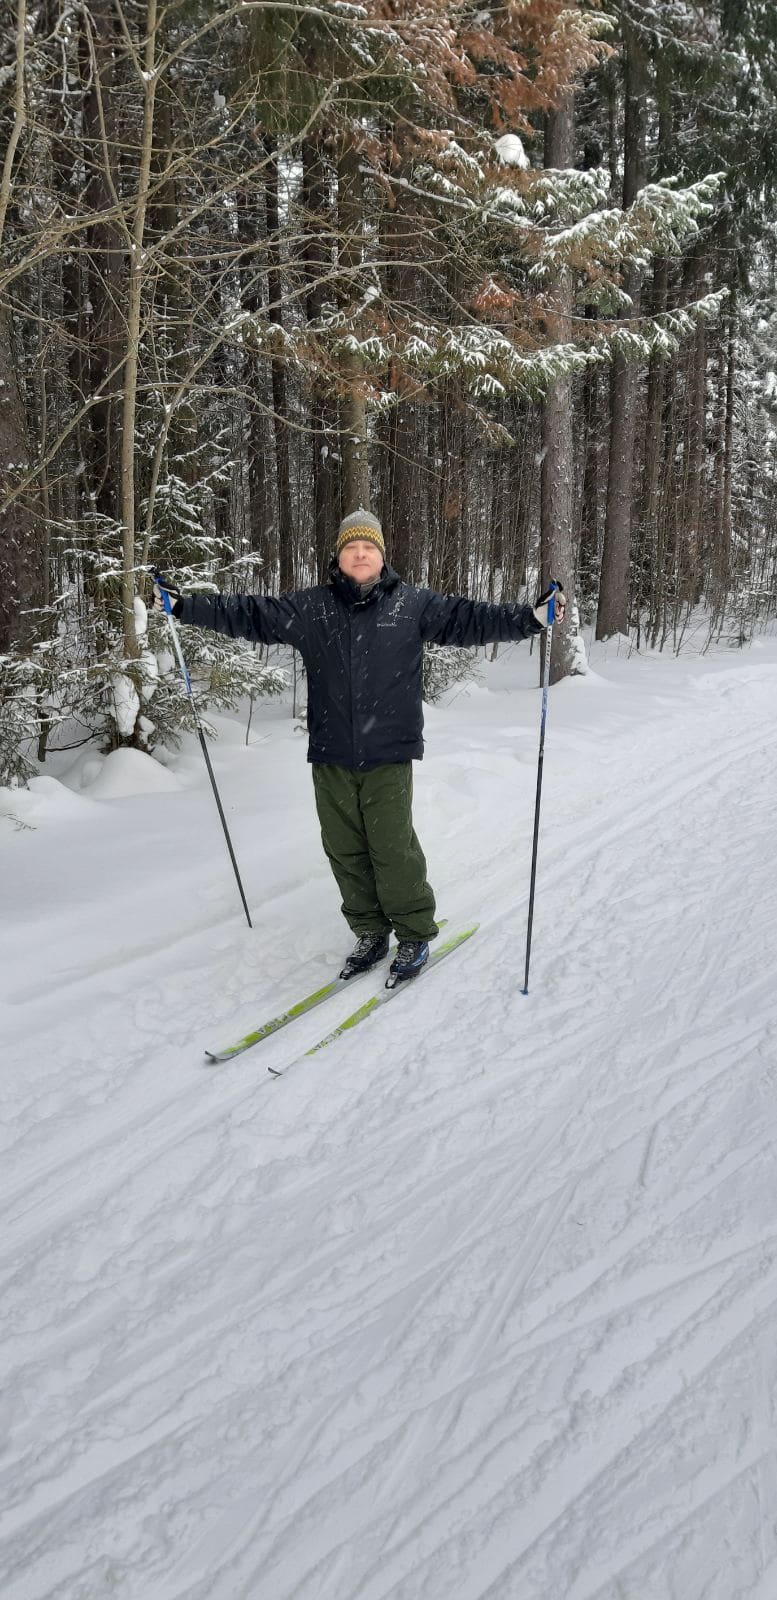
(126, 703)
(510, 151)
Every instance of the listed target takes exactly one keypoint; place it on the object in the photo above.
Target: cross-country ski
(380, 998)
(300, 1008)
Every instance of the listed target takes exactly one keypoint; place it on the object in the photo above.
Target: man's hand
(543, 604)
(157, 603)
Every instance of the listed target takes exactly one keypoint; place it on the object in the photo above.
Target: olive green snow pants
(368, 835)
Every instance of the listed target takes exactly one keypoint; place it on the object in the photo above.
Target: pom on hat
(360, 525)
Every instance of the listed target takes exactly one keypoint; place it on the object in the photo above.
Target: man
(361, 637)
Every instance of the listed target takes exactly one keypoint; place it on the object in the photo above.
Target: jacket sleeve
(258, 617)
(452, 619)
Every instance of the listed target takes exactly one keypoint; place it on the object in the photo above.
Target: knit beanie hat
(360, 525)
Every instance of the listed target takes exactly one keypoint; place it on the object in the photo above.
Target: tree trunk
(591, 493)
(557, 473)
(258, 453)
(19, 567)
(19, 112)
(649, 575)
(104, 277)
(721, 553)
(318, 256)
(278, 368)
(353, 404)
(613, 613)
(134, 303)
(696, 367)
(401, 507)
(400, 433)
(445, 543)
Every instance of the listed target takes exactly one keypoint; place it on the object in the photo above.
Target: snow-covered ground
(480, 1303)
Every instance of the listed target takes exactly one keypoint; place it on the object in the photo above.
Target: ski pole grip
(166, 602)
(552, 603)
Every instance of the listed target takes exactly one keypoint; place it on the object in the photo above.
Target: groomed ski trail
(486, 1311)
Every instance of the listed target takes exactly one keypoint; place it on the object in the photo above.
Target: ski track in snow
(480, 1303)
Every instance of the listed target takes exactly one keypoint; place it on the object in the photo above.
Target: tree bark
(259, 443)
(652, 553)
(446, 534)
(105, 269)
(318, 254)
(134, 304)
(557, 473)
(353, 404)
(19, 567)
(401, 510)
(613, 612)
(278, 370)
(19, 113)
(400, 433)
(593, 475)
(695, 555)
(721, 553)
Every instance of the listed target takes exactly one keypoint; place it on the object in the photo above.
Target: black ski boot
(369, 948)
(412, 955)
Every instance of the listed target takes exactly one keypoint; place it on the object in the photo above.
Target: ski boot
(412, 955)
(369, 948)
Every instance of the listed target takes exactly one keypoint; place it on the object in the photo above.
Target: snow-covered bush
(18, 719)
(223, 672)
(444, 666)
(77, 684)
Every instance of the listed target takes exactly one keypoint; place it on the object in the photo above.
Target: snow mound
(83, 771)
(43, 799)
(127, 772)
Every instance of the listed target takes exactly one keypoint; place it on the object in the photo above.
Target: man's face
(360, 560)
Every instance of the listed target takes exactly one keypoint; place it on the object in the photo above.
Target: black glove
(157, 603)
(541, 609)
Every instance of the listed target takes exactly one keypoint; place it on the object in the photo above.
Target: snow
(126, 703)
(150, 668)
(481, 1302)
(511, 152)
(127, 772)
(44, 800)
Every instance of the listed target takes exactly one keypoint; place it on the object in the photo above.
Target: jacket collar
(349, 591)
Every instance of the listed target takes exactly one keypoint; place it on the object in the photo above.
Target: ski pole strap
(166, 601)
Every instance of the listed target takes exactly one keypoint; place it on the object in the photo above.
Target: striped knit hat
(360, 525)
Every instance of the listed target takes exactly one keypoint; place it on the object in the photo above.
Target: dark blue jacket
(363, 656)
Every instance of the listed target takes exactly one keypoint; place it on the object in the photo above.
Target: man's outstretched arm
(454, 620)
(261, 618)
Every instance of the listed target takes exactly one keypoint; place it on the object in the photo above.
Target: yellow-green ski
(250, 1039)
(309, 1003)
(381, 999)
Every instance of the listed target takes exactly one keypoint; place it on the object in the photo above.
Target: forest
(504, 274)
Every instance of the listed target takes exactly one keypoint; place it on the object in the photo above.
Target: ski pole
(545, 685)
(195, 713)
